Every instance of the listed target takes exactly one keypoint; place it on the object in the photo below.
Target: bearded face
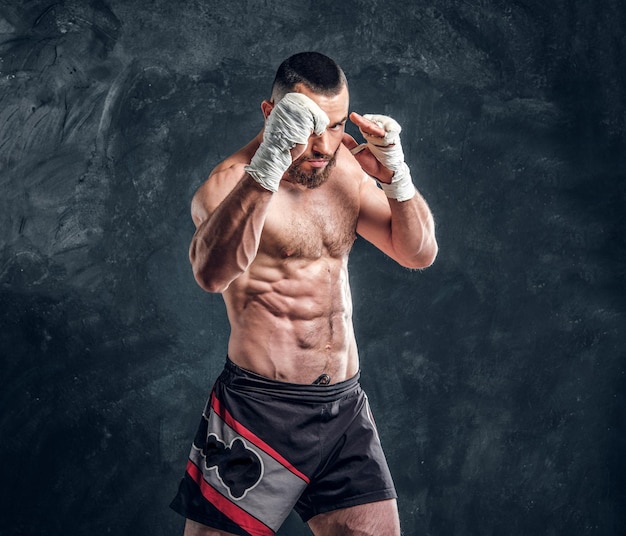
(303, 172)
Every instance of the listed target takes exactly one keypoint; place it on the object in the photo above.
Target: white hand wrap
(290, 122)
(388, 151)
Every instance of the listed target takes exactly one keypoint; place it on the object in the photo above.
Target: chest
(311, 224)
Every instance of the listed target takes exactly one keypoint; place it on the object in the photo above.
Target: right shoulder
(219, 184)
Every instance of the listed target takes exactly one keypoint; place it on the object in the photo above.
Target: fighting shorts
(266, 447)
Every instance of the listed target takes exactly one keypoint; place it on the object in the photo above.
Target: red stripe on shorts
(243, 431)
(228, 508)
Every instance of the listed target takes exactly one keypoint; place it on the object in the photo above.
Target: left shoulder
(349, 172)
(348, 162)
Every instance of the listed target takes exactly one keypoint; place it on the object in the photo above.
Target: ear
(266, 108)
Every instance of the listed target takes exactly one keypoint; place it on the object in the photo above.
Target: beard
(316, 176)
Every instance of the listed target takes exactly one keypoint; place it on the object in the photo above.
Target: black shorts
(266, 447)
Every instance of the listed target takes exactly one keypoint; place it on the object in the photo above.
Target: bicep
(374, 223)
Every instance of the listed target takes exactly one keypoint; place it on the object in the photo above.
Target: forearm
(226, 243)
(227, 239)
(407, 231)
(412, 232)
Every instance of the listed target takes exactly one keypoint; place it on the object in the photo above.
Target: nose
(321, 143)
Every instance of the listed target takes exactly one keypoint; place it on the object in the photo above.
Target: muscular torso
(291, 311)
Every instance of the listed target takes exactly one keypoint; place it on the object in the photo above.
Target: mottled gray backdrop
(497, 376)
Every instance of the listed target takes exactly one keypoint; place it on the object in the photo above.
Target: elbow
(209, 282)
(430, 256)
(424, 258)
(207, 277)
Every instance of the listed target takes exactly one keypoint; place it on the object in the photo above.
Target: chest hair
(311, 228)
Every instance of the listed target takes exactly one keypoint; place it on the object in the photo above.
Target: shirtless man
(287, 425)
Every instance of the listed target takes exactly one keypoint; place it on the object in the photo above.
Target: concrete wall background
(497, 376)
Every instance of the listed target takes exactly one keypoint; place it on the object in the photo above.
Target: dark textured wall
(497, 376)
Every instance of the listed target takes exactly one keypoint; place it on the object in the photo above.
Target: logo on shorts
(238, 467)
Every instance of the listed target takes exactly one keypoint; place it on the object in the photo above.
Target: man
(287, 425)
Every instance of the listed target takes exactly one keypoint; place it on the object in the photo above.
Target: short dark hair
(315, 71)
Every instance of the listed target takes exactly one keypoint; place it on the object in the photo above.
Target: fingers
(367, 126)
(308, 105)
(295, 118)
(288, 127)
